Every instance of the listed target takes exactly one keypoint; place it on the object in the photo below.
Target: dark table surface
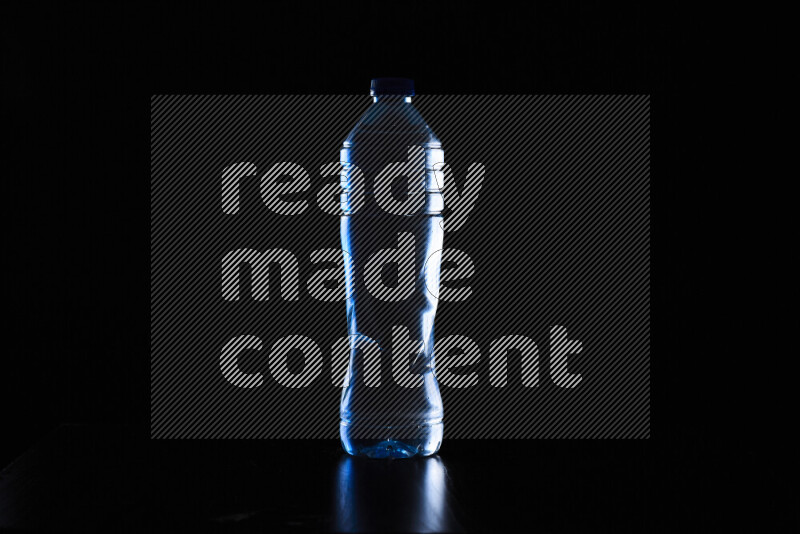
(111, 479)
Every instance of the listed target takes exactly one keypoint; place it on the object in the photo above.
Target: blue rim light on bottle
(392, 238)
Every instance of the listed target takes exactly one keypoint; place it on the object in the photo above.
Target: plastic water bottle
(391, 231)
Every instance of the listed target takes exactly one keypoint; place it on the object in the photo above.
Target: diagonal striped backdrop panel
(559, 239)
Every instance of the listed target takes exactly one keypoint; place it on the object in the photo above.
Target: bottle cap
(392, 86)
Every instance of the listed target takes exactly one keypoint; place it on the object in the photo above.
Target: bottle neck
(392, 99)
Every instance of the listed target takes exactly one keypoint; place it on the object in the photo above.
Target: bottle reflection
(406, 495)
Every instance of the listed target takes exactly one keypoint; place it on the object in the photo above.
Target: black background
(76, 84)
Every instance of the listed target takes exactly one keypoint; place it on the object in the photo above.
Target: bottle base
(426, 441)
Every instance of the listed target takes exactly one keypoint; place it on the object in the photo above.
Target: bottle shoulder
(396, 120)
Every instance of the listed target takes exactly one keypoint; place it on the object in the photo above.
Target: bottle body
(392, 236)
